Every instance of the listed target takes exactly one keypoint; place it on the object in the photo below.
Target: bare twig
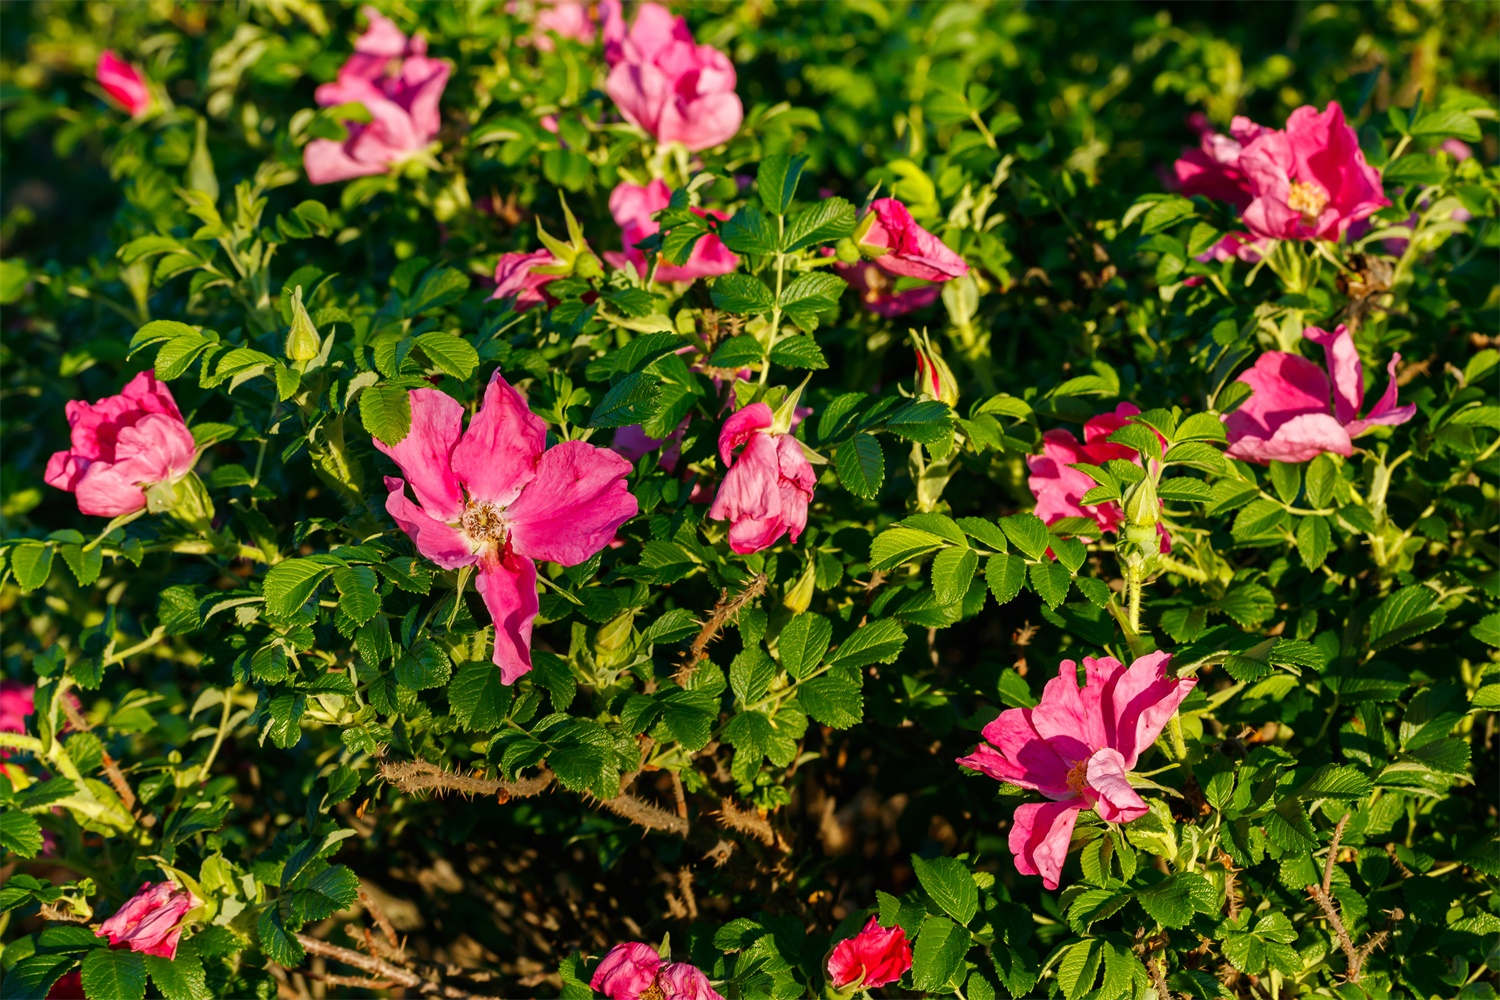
(679, 794)
(1231, 886)
(391, 947)
(1155, 967)
(357, 982)
(419, 776)
(644, 814)
(1322, 894)
(724, 611)
(746, 821)
(1333, 853)
(384, 970)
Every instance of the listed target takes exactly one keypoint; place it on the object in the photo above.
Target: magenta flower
(496, 498)
(634, 971)
(891, 237)
(877, 291)
(766, 491)
(393, 78)
(1235, 246)
(1288, 417)
(124, 83)
(517, 277)
(565, 19)
(874, 957)
(151, 922)
(663, 81)
(1311, 180)
(16, 702)
(1075, 747)
(633, 205)
(1213, 169)
(122, 445)
(1059, 488)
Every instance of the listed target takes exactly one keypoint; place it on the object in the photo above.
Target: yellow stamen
(1307, 198)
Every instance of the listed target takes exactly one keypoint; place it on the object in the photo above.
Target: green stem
(213, 751)
(765, 370)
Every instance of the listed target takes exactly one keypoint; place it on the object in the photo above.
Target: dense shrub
(935, 499)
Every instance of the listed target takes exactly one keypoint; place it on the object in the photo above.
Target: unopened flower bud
(799, 598)
(846, 251)
(1142, 508)
(588, 266)
(614, 635)
(302, 341)
(934, 378)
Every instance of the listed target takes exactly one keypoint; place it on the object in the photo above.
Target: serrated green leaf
(114, 975)
(832, 700)
(802, 643)
(950, 884)
(742, 293)
(385, 411)
(876, 642)
(1028, 533)
(861, 465)
(1051, 582)
(290, 584)
(181, 978)
(1006, 575)
(952, 571)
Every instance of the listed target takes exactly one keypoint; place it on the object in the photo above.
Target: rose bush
(519, 498)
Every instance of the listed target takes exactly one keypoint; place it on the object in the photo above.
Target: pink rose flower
(69, 987)
(120, 445)
(1310, 181)
(124, 83)
(1059, 488)
(1075, 747)
(565, 19)
(892, 238)
(662, 81)
(1288, 417)
(17, 701)
(151, 922)
(1235, 246)
(393, 78)
(766, 491)
(633, 205)
(634, 971)
(874, 957)
(1213, 169)
(496, 498)
(877, 290)
(516, 278)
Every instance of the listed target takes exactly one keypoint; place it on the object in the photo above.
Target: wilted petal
(874, 957)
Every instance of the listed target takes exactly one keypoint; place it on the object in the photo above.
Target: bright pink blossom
(17, 701)
(496, 498)
(1289, 416)
(634, 971)
(124, 83)
(1213, 169)
(633, 205)
(892, 238)
(120, 445)
(566, 19)
(1311, 179)
(151, 922)
(399, 85)
(663, 81)
(1235, 246)
(877, 290)
(766, 491)
(1075, 747)
(516, 278)
(874, 957)
(1059, 488)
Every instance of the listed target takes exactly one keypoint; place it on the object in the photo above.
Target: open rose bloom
(663, 81)
(399, 85)
(495, 497)
(1290, 417)
(890, 237)
(124, 83)
(874, 957)
(634, 971)
(1076, 747)
(632, 207)
(121, 446)
(1213, 169)
(151, 922)
(767, 489)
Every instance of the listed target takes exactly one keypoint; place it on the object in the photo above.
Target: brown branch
(1322, 894)
(746, 821)
(1333, 853)
(725, 609)
(644, 814)
(1155, 968)
(391, 947)
(357, 982)
(419, 776)
(384, 970)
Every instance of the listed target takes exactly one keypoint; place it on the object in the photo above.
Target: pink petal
(1139, 701)
(438, 542)
(1300, 439)
(681, 981)
(497, 456)
(425, 455)
(1283, 387)
(1113, 798)
(1070, 716)
(162, 447)
(1343, 364)
(1039, 838)
(508, 587)
(708, 121)
(574, 506)
(1386, 411)
(108, 490)
(627, 971)
(910, 250)
(327, 162)
(750, 497)
(742, 425)
(1019, 755)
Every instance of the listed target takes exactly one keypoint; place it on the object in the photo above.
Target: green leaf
(631, 400)
(31, 562)
(423, 666)
(1286, 479)
(738, 352)
(1182, 488)
(1200, 427)
(798, 352)
(1006, 574)
(1170, 902)
(1438, 122)
(748, 232)
(826, 221)
(19, 833)
(333, 889)
(939, 953)
(32, 977)
(478, 699)
(899, 544)
(985, 532)
(1322, 475)
(1487, 629)
(359, 597)
(832, 700)
(279, 945)
(451, 353)
(385, 411)
(928, 421)
(810, 294)
(1314, 540)
(114, 975)
(13, 278)
(860, 465)
(1028, 533)
(1166, 213)
(1050, 581)
(438, 288)
(181, 978)
(952, 571)
(750, 674)
(742, 293)
(950, 884)
(802, 643)
(1079, 968)
(1404, 615)
(776, 181)
(877, 642)
(290, 584)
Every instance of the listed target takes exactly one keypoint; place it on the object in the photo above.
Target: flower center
(654, 991)
(1307, 198)
(1078, 776)
(483, 521)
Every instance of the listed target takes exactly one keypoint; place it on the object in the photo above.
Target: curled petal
(1040, 835)
(1110, 791)
(742, 425)
(1343, 364)
(437, 541)
(627, 971)
(508, 586)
